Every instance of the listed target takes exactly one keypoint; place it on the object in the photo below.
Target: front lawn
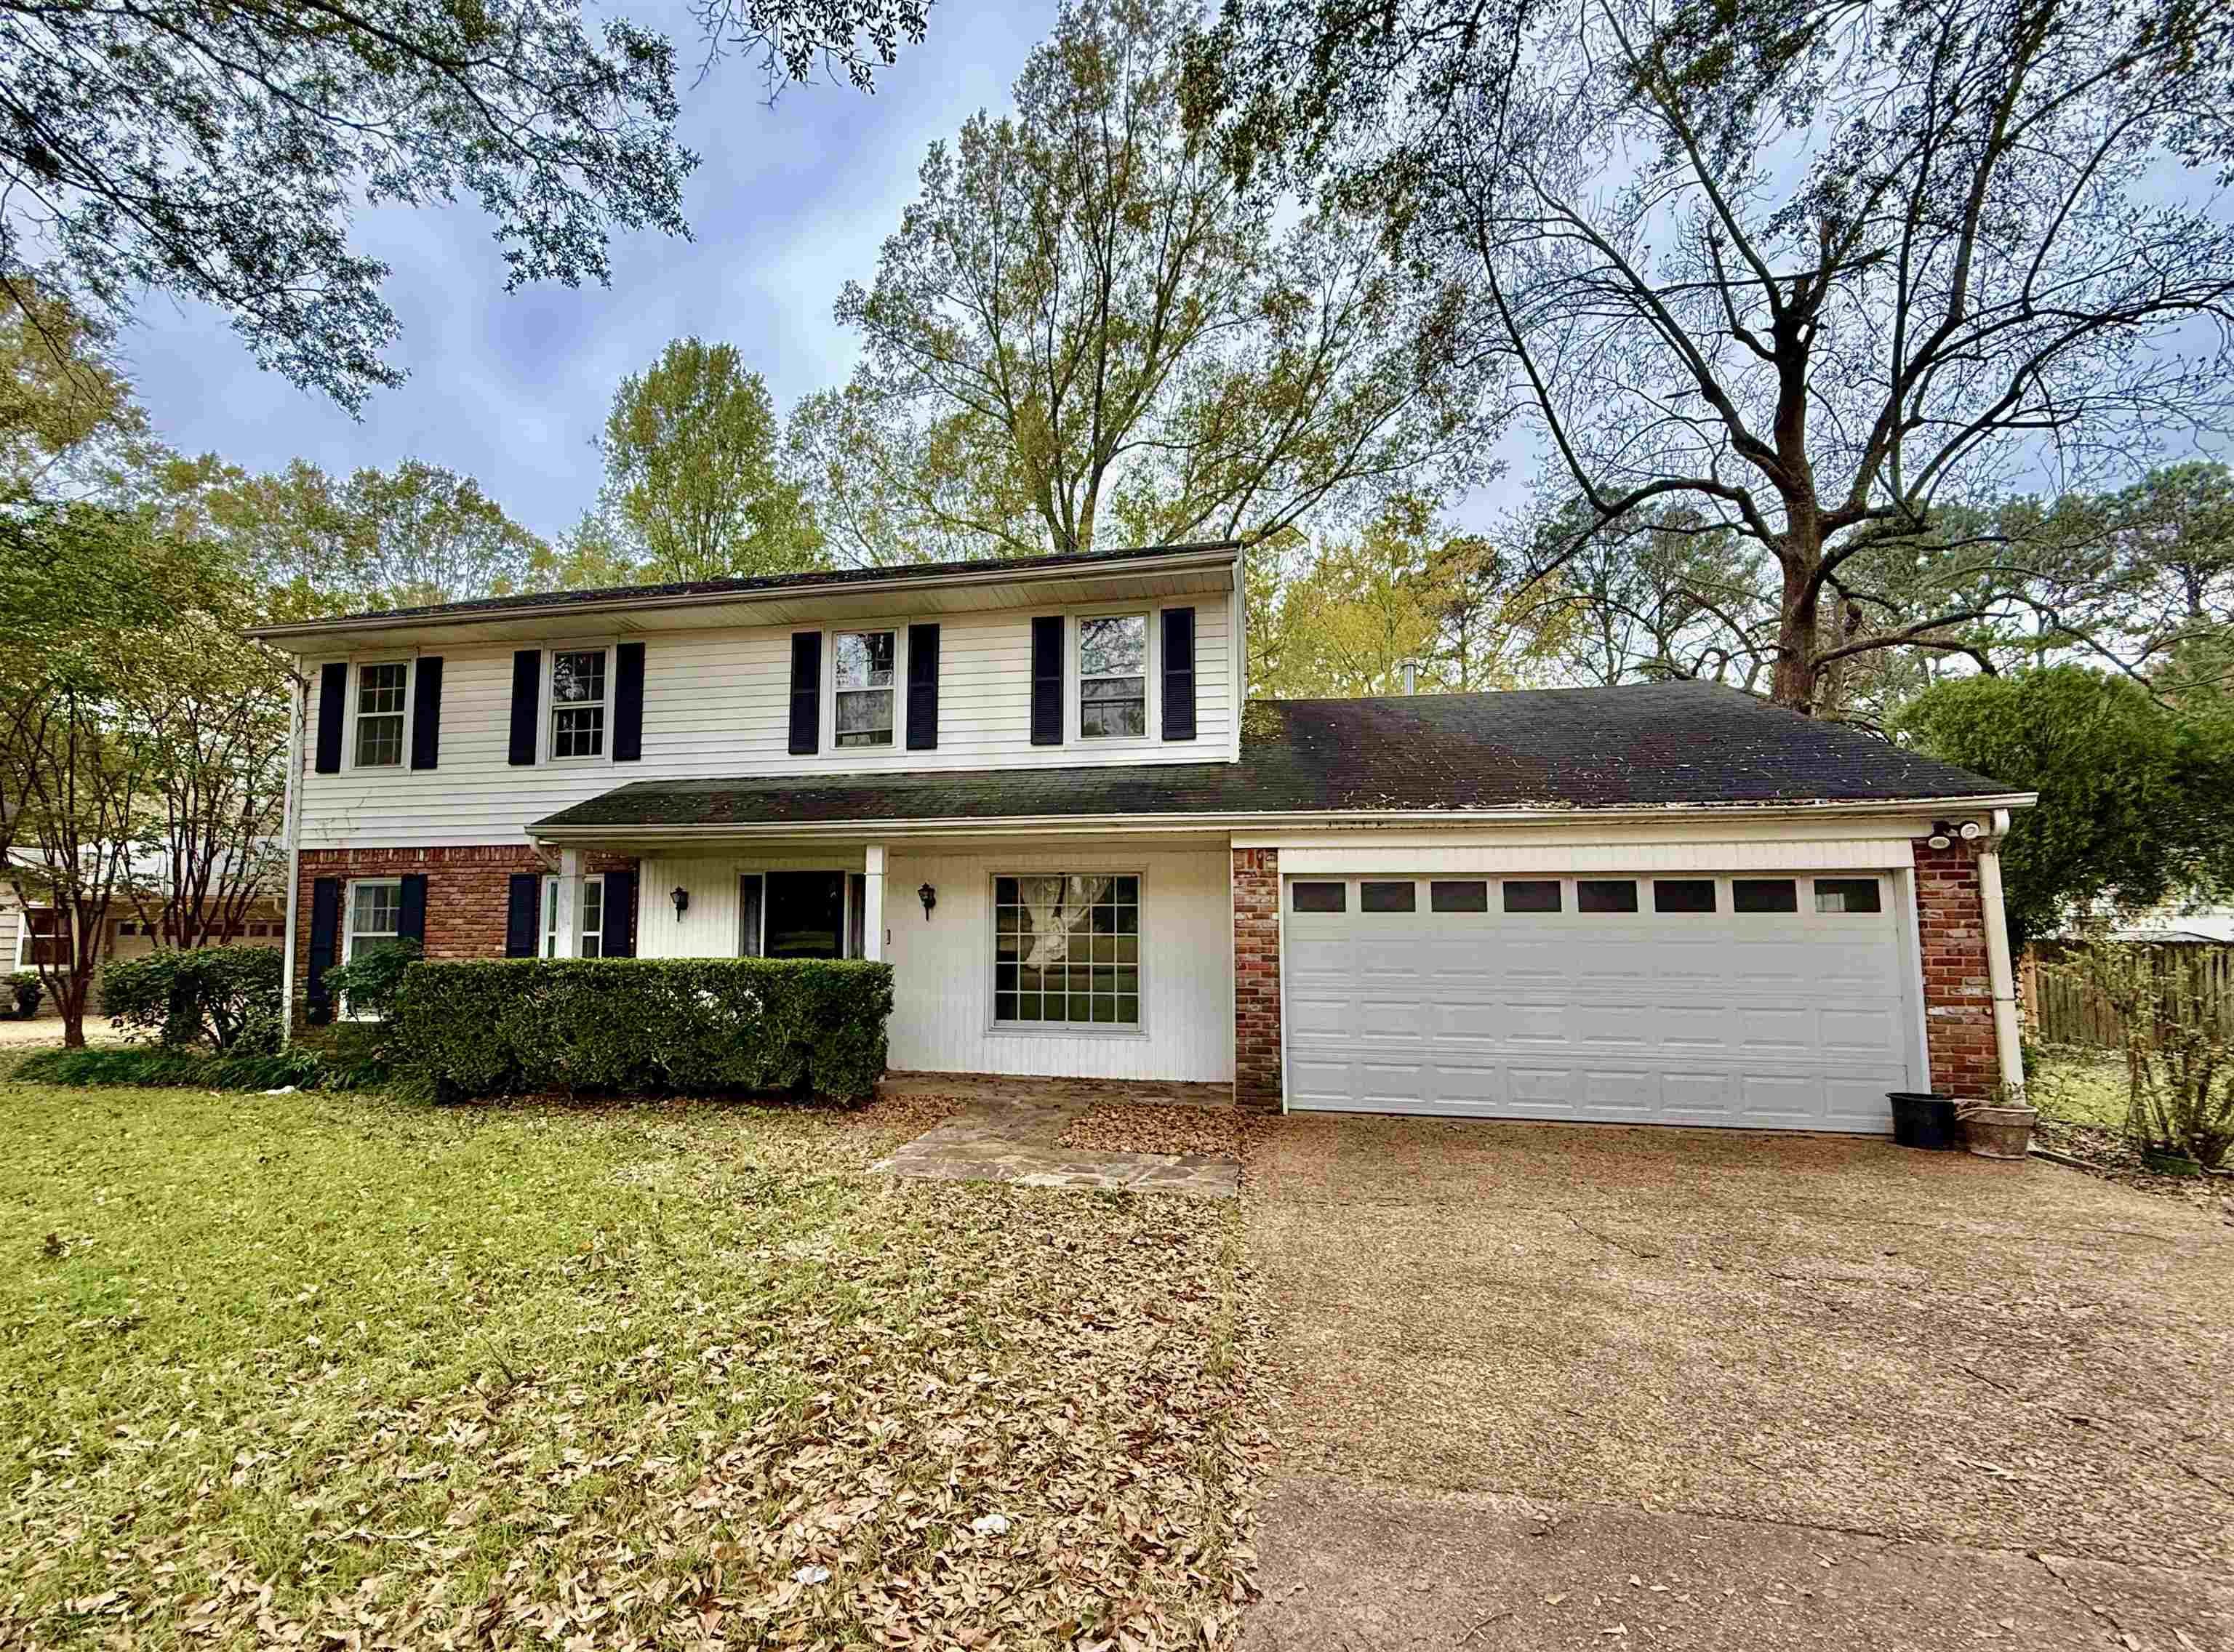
(339, 1369)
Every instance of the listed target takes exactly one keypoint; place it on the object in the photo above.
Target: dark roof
(771, 582)
(1642, 746)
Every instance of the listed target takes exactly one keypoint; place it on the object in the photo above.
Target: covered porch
(1091, 956)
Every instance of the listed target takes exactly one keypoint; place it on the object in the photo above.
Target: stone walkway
(1008, 1133)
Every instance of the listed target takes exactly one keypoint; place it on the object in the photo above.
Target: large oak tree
(1811, 268)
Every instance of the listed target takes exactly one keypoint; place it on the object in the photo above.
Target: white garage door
(1769, 1002)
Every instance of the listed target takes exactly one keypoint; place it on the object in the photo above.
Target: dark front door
(805, 914)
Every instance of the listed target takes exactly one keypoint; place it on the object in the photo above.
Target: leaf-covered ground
(346, 1371)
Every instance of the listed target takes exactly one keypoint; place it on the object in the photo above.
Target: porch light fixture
(1941, 834)
(929, 897)
(681, 897)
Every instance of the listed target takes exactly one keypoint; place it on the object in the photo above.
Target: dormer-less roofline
(621, 599)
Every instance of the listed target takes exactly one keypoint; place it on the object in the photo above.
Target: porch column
(567, 943)
(872, 897)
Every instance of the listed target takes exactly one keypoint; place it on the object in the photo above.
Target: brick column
(1958, 997)
(1257, 979)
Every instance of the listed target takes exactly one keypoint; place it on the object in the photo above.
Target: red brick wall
(1958, 999)
(1257, 979)
(468, 891)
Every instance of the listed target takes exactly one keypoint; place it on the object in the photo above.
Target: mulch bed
(2110, 1154)
(1155, 1127)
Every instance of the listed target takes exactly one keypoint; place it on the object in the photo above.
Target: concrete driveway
(1555, 1386)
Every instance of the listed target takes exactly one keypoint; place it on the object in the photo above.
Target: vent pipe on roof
(1411, 670)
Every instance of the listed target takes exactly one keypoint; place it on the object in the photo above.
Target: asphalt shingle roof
(1641, 746)
(634, 594)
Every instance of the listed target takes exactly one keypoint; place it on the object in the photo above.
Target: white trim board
(1673, 854)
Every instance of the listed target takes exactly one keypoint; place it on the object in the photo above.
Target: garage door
(1776, 1003)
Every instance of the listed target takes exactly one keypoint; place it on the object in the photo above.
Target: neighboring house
(1033, 787)
(37, 935)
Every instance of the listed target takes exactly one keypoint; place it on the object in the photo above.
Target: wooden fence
(2063, 1011)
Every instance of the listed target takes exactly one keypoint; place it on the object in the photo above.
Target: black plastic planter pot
(1926, 1121)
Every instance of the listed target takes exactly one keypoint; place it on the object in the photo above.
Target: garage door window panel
(1319, 898)
(1531, 895)
(1605, 895)
(1388, 897)
(1764, 895)
(1846, 895)
(1458, 896)
(1067, 951)
(1683, 895)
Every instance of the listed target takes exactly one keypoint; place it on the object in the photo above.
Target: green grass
(2080, 1086)
(535, 1372)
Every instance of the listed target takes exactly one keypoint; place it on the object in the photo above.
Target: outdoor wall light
(1941, 834)
(1972, 831)
(929, 897)
(682, 899)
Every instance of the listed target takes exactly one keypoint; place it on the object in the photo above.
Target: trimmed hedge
(183, 1069)
(644, 1025)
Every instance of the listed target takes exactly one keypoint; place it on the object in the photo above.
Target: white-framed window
(382, 700)
(864, 669)
(1067, 951)
(593, 917)
(580, 685)
(372, 914)
(1113, 677)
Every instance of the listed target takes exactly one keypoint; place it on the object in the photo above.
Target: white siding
(11, 927)
(943, 965)
(716, 702)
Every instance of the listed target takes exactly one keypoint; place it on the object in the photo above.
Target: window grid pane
(1605, 895)
(1112, 682)
(1531, 895)
(577, 694)
(1682, 894)
(1066, 949)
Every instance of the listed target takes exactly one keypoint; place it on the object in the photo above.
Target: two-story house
(1036, 788)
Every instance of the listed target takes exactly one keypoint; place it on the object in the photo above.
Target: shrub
(226, 997)
(371, 980)
(187, 1069)
(645, 1026)
(2180, 1061)
(24, 992)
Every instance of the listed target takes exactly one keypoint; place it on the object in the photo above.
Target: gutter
(292, 834)
(2000, 978)
(1221, 556)
(2001, 803)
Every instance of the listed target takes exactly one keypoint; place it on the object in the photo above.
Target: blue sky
(790, 203)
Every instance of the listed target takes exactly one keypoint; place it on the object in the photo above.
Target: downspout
(291, 832)
(2009, 1046)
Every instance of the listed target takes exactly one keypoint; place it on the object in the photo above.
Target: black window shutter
(806, 692)
(923, 689)
(1178, 674)
(526, 697)
(628, 702)
(427, 711)
(333, 706)
(523, 917)
(411, 909)
(325, 933)
(1046, 680)
(620, 915)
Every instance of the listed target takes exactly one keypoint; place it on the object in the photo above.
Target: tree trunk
(1797, 637)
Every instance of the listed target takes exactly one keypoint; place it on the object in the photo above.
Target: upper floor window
(865, 662)
(1113, 677)
(578, 702)
(379, 714)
